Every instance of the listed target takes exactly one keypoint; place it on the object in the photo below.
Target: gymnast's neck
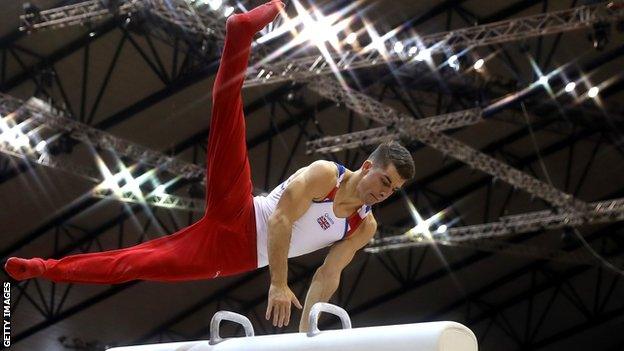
(347, 195)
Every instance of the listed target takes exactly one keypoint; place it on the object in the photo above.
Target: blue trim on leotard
(341, 170)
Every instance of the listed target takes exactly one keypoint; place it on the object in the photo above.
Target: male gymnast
(320, 205)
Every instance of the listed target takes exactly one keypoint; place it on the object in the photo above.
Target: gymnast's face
(378, 184)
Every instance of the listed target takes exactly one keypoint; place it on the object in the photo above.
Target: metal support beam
(602, 212)
(367, 106)
(307, 68)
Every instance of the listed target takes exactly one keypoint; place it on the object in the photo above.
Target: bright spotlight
(453, 61)
(351, 38)
(442, 229)
(14, 136)
(161, 189)
(40, 148)
(543, 80)
(215, 4)
(228, 11)
(570, 87)
(479, 64)
(398, 47)
(21, 141)
(593, 92)
(412, 51)
(378, 44)
(423, 55)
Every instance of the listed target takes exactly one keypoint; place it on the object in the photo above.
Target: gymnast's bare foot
(21, 269)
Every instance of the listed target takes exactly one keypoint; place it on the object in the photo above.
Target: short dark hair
(394, 153)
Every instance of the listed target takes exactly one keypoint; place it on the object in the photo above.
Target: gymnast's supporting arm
(309, 183)
(327, 276)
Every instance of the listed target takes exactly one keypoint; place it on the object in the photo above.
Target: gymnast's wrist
(279, 282)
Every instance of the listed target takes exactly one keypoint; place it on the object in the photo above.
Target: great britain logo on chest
(325, 221)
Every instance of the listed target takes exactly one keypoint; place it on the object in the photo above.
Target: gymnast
(320, 205)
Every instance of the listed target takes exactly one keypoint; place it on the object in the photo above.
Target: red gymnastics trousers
(223, 242)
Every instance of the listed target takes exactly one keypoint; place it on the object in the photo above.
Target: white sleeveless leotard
(317, 228)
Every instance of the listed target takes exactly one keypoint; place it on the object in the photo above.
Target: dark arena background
(512, 110)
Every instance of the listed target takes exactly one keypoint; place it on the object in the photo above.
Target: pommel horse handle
(319, 307)
(215, 323)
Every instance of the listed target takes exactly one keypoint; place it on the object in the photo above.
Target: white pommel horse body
(434, 336)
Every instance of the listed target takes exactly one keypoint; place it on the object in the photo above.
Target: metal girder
(385, 115)
(82, 305)
(601, 318)
(202, 22)
(45, 116)
(602, 212)
(40, 117)
(180, 83)
(17, 34)
(542, 124)
(58, 313)
(392, 240)
(526, 27)
(59, 54)
(306, 68)
(592, 318)
(531, 251)
(397, 122)
(332, 143)
(91, 174)
(61, 315)
(69, 49)
(264, 136)
(464, 191)
(498, 169)
(396, 131)
(511, 277)
(366, 106)
(182, 14)
(452, 267)
(74, 14)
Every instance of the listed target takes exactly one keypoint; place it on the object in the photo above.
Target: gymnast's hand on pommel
(280, 298)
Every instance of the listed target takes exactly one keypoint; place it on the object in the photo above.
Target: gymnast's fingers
(287, 316)
(267, 315)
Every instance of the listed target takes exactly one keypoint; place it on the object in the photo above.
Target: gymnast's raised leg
(223, 242)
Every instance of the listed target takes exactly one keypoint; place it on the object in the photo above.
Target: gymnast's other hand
(280, 298)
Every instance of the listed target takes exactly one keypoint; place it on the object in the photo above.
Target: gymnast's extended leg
(223, 241)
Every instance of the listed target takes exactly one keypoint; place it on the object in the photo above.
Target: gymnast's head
(384, 172)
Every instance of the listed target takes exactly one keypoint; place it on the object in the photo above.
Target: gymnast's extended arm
(327, 276)
(309, 183)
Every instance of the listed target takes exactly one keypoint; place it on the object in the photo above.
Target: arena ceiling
(147, 83)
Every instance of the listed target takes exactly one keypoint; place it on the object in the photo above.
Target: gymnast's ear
(366, 166)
